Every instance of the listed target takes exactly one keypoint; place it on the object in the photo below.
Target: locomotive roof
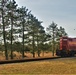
(68, 37)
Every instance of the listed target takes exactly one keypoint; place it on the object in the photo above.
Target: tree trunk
(38, 47)
(33, 45)
(11, 35)
(4, 37)
(53, 44)
(23, 41)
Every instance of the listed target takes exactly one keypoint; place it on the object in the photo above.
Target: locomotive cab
(63, 43)
(63, 46)
(67, 47)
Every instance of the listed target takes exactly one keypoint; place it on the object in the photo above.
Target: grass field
(40, 67)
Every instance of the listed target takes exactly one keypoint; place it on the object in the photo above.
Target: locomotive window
(70, 39)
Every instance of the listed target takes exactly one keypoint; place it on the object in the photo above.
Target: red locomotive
(67, 47)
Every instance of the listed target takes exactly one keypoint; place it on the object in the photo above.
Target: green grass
(43, 67)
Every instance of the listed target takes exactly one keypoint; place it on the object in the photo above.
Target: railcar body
(67, 47)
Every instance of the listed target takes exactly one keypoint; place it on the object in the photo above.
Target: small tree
(52, 31)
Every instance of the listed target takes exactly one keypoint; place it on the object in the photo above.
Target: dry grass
(28, 55)
(46, 54)
(43, 67)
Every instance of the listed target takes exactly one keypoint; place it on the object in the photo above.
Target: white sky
(62, 12)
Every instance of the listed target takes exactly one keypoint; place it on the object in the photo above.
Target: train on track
(67, 47)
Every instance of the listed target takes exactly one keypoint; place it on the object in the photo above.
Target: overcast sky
(62, 12)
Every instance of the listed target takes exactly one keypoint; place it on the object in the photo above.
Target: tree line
(21, 31)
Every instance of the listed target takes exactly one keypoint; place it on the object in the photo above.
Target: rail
(26, 60)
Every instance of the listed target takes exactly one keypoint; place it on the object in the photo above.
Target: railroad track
(30, 59)
(27, 60)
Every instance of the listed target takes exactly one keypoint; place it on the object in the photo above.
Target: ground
(18, 55)
(66, 66)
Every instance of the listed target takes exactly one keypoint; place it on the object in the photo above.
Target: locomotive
(67, 47)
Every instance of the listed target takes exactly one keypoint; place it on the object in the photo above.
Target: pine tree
(52, 31)
(3, 9)
(12, 7)
(23, 15)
